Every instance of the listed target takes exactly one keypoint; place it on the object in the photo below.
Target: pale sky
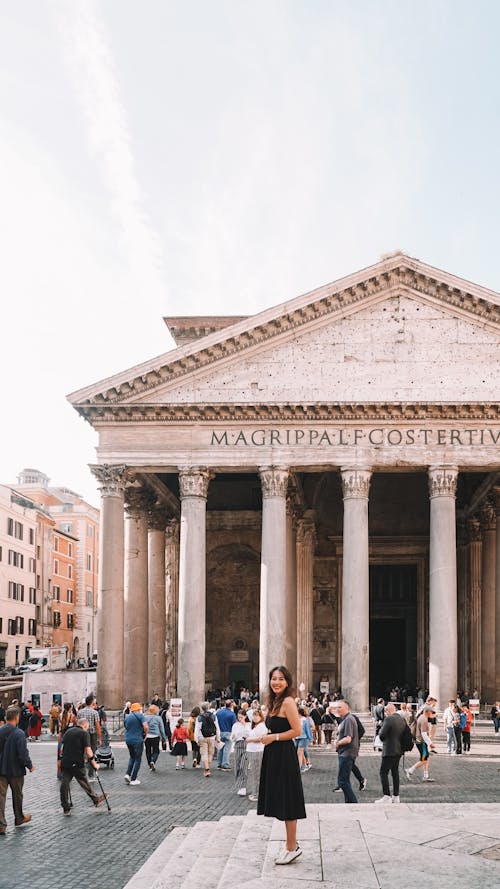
(220, 157)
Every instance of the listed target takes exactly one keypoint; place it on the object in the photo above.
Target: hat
(135, 707)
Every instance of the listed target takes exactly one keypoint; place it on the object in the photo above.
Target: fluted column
(488, 659)
(355, 588)
(193, 484)
(442, 584)
(273, 587)
(305, 600)
(135, 663)
(475, 546)
(172, 605)
(291, 591)
(463, 609)
(157, 520)
(112, 481)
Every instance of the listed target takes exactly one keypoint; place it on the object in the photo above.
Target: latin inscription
(352, 437)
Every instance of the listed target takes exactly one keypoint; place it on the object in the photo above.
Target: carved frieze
(194, 482)
(355, 483)
(443, 481)
(274, 481)
(111, 479)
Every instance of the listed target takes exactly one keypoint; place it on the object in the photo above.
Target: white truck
(47, 686)
(55, 658)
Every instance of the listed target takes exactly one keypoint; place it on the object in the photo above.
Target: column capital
(306, 531)
(157, 518)
(274, 481)
(474, 530)
(112, 479)
(487, 516)
(172, 531)
(355, 483)
(442, 481)
(137, 502)
(194, 481)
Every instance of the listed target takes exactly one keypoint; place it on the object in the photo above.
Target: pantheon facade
(317, 485)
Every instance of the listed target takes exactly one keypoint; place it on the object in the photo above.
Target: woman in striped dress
(239, 735)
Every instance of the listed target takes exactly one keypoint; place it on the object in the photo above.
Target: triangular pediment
(399, 330)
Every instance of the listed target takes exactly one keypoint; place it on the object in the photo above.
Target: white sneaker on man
(127, 779)
(384, 799)
(396, 799)
(242, 792)
(135, 782)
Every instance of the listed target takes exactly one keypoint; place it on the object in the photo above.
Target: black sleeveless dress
(280, 790)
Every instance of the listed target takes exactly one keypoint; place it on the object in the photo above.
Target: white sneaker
(242, 792)
(408, 773)
(135, 782)
(383, 799)
(127, 779)
(396, 799)
(287, 857)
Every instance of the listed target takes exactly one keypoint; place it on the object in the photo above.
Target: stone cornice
(288, 412)
(400, 274)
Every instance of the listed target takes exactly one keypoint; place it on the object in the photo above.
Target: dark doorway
(393, 628)
(239, 677)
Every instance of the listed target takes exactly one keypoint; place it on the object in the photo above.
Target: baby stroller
(104, 754)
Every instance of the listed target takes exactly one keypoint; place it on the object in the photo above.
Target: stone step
(183, 857)
(211, 859)
(149, 871)
(246, 859)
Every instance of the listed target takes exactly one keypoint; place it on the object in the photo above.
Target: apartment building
(18, 593)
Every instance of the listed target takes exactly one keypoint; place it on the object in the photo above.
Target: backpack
(407, 739)
(361, 728)
(208, 729)
(463, 720)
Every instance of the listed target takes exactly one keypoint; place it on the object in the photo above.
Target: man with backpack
(396, 737)
(206, 735)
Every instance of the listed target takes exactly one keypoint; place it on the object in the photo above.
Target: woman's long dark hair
(275, 701)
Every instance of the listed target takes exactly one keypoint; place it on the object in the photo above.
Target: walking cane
(102, 791)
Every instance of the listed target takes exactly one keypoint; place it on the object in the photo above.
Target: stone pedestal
(112, 482)
(157, 520)
(172, 606)
(305, 600)
(291, 592)
(475, 546)
(442, 585)
(193, 485)
(273, 587)
(488, 616)
(135, 661)
(355, 588)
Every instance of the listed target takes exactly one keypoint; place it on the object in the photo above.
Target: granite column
(157, 520)
(442, 584)
(355, 588)
(135, 656)
(273, 585)
(172, 605)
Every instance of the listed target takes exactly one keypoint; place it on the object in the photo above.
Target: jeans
(466, 740)
(450, 739)
(152, 749)
(16, 786)
(458, 738)
(496, 724)
(134, 763)
(67, 777)
(390, 764)
(223, 753)
(357, 774)
(344, 778)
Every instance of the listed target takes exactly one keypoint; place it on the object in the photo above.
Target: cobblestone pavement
(113, 846)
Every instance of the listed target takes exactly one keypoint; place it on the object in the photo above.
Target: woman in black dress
(280, 789)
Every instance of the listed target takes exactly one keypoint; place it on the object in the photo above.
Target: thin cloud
(89, 58)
